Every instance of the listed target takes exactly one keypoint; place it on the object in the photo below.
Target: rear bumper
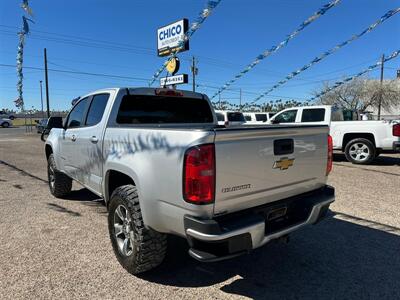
(237, 233)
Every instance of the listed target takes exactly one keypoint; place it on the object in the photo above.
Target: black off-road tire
(60, 185)
(360, 142)
(149, 246)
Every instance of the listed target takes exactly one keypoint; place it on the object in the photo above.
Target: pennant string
(26, 8)
(322, 56)
(274, 49)
(347, 79)
(19, 102)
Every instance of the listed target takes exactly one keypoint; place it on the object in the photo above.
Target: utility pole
(41, 98)
(240, 99)
(194, 73)
(47, 83)
(219, 100)
(381, 90)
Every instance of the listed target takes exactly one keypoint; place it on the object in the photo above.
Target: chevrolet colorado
(164, 166)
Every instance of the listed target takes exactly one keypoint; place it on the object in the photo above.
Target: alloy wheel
(123, 230)
(359, 152)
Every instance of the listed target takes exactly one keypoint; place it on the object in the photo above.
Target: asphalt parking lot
(52, 248)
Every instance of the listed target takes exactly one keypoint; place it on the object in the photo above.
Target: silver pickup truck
(164, 166)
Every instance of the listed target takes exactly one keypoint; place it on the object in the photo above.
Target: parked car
(41, 125)
(361, 141)
(230, 118)
(257, 117)
(5, 115)
(5, 122)
(164, 166)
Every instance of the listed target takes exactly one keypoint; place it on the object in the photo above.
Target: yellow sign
(284, 163)
(172, 65)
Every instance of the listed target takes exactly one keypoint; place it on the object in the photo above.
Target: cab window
(288, 116)
(96, 109)
(220, 117)
(261, 117)
(236, 117)
(313, 115)
(76, 115)
(247, 117)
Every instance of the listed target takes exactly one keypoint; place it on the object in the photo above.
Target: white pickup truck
(361, 141)
(164, 166)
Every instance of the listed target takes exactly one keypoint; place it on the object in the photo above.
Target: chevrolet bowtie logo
(284, 163)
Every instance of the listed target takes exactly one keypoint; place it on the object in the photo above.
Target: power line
(110, 46)
(81, 73)
(86, 39)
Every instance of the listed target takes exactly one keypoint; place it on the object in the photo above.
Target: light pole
(41, 98)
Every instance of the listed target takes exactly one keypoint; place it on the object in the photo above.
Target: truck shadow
(118, 148)
(87, 198)
(335, 259)
(382, 160)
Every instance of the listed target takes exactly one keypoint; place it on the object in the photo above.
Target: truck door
(318, 115)
(90, 143)
(69, 152)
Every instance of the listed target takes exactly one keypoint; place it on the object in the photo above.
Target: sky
(119, 38)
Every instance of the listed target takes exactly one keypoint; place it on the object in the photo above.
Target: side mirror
(274, 121)
(53, 122)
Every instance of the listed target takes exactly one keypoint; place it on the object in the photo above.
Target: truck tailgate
(258, 165)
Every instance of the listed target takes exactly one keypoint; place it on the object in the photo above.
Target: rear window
(139, 109)
(313, 115)
(261, 117)
(236, 117)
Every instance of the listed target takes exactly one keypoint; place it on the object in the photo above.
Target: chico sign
(170, 38)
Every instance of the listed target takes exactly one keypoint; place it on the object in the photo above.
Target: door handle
(94, 139)
(73, 137)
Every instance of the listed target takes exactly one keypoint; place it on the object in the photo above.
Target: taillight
(330, 156)
(199, 174)
(396, 129)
